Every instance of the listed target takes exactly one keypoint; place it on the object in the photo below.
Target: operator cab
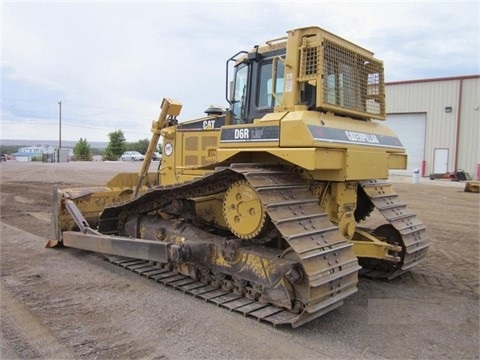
(311, 70)
(253, 81)
(255, 76)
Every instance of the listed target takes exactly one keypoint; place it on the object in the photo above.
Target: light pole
(59, 129)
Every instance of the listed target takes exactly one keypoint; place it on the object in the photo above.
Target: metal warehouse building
(438, 122)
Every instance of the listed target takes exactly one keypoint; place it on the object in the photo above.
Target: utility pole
(59, 129)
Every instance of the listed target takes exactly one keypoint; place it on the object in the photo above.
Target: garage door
(410, 129)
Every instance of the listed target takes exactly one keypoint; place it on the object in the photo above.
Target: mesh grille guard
(348, 82)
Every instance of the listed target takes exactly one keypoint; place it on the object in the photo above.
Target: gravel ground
(67, 303)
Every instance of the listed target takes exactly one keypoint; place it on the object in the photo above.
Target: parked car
(132, 156)
(157, 156)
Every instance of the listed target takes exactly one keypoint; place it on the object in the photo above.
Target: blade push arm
(169, 109)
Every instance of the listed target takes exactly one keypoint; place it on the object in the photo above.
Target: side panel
(299, 128)
(199, 148)
(169, 154)
(189, 146)
(333, 148)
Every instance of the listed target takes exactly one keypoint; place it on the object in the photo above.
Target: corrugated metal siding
(469, 139)
(432, 97)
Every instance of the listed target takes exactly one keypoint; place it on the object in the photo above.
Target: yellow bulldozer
(259, 207)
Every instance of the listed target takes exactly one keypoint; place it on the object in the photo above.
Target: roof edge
(460, 77)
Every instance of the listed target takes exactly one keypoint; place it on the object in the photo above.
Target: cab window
(240, 95)
(265, 98)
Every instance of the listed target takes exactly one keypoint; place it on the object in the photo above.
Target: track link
(412, 231)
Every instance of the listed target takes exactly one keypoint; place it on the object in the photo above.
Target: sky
(111, 63)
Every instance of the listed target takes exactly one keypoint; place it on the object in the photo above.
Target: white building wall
(432, 97)
(469, 129)
(37, 149)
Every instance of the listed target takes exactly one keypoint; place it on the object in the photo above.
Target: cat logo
(209, 124)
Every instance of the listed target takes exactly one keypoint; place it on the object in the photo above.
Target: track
(326, 257)
(411, 231)
(226, 299)
(329, 266)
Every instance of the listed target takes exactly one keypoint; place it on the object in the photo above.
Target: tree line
(117, 145)
(82, 150)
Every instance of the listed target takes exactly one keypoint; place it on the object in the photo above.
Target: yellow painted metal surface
(210, 210)
(368, 246)
(91, 201)
(243, 211)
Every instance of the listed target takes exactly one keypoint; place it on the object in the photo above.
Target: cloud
(111, 63)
